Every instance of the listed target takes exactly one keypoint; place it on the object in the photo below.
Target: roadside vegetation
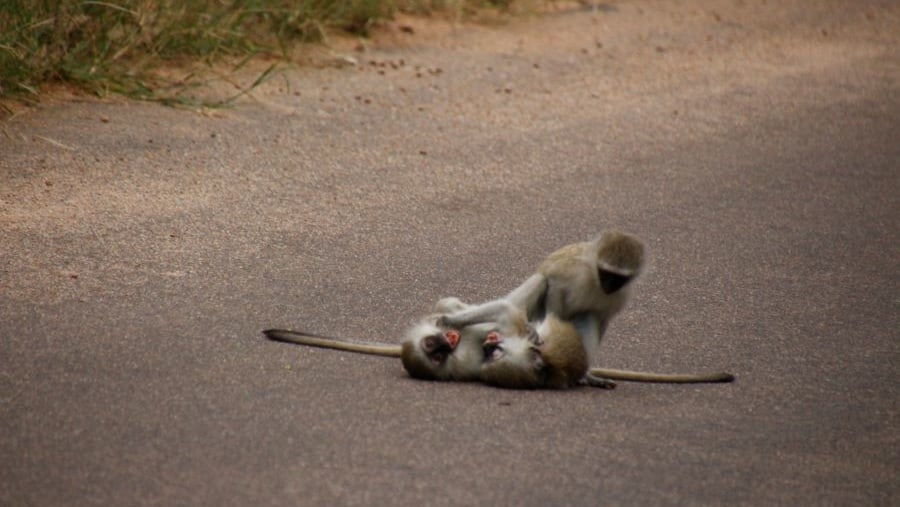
(118, 46)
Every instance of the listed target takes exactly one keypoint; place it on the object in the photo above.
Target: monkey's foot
(447, 322)
(593, 381)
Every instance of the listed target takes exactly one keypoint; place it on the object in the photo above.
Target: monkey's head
(554, 358)
(620, 258)
(426, 350)
(430, 352)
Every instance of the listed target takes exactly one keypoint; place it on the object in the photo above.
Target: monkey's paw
(445, 322)
(603, 383)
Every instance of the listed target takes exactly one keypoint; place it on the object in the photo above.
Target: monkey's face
(620, 257)
(553, 358)
(513, 362)
(612, 282)
(428, 353)
(497, 347)
(439, 346)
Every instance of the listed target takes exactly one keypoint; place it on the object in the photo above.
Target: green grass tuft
(115, 45)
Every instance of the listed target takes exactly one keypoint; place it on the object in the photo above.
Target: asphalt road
(754, 145)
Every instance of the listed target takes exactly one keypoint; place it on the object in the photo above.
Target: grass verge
(115, 46)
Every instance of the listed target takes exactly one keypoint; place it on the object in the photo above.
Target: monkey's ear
(612, 282)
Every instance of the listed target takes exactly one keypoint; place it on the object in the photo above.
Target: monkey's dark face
(426, 351)
(612, 282)
(513, 362)
(438, 347)
(496, 346)
(432, 352)
(493, 347)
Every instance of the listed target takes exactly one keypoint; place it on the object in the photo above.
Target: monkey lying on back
(553, 357)
(583, 283)
(428, 352)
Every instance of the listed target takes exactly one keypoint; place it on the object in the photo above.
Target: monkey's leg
(449, 305)
(492, 311)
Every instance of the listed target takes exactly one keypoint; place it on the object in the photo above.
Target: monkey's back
(568, 258)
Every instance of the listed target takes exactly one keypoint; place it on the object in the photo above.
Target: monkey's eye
(430, 342)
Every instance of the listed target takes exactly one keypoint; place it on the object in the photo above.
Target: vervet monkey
(589, 277)
(587, 285)
(431, 351)
(588, 281)
(554, 357)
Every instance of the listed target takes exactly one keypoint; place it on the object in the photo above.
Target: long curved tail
(672, 378)
(327, 342)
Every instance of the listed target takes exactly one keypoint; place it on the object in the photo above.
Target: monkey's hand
(449, 322)
(533, 336)
(594, 381)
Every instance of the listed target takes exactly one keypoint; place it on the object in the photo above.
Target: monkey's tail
(327, 342)
(672, 378)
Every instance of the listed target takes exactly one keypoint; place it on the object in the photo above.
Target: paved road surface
(754, 145)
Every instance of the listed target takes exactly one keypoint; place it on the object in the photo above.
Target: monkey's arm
(671, 378)
(555, 300)
(325, 342)
(529, 297)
